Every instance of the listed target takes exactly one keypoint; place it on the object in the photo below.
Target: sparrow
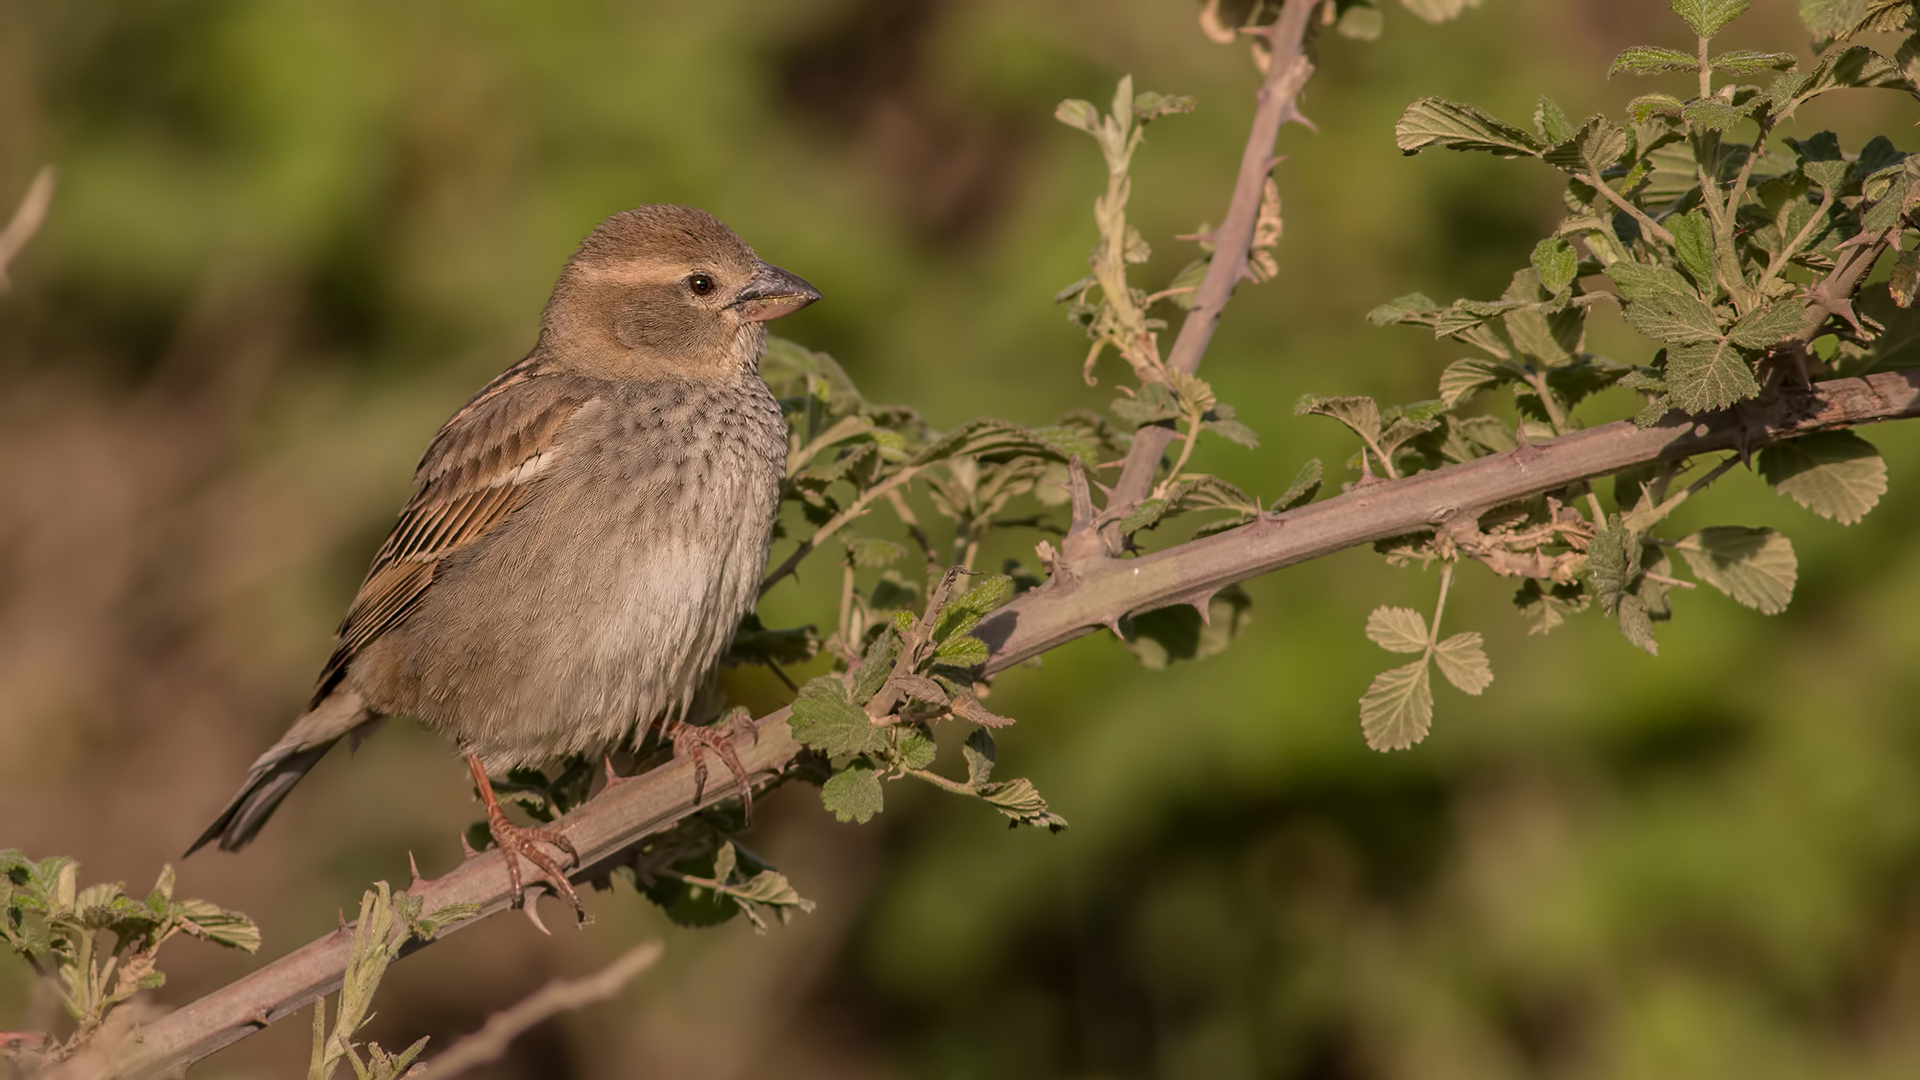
(583, 536)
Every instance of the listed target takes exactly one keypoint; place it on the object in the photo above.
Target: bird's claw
(692, 741)
(517, 842)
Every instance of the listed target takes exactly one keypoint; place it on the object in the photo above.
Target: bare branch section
(559, 996)
(1085, 595)
(26, 220)
(1288, 70)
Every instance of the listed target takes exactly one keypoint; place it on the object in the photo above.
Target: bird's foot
(517, 842)
(692, 741)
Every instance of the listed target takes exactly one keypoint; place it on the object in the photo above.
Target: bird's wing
(478, 470)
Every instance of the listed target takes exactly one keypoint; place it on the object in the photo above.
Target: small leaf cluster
(1745, 264)
(388, 920)
(57, 926)
(874, 722)
(709, 887)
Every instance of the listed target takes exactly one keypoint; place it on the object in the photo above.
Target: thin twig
(559, 996)
(26, 219)
(1287, 73)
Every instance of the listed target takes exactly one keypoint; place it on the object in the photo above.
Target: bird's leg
(691, 740)
(515, 841)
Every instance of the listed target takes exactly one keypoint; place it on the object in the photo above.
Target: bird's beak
(772, 293)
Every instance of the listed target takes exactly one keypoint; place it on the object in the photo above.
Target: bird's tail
(282, 766)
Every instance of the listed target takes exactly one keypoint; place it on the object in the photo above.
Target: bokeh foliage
(292, 237)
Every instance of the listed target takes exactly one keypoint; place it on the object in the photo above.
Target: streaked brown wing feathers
(477, 470)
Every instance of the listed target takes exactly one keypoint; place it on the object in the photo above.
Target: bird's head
(666, 291)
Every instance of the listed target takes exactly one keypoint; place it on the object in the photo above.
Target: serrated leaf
(1397, 629)
(962, 652)
(968, 708)
(1469, 376)
(1613, 561)
(1546, 608)
(1456, 126)
(1703, 378)
(1463, 660)
(1674, 319)
(825, 720)
(1637, 281)
(1233, 431)
(1706, 17)
(1766, 327)
(1647, 105)
(853, 794)
(218, 925)
(914, 747)
(1021, 802)
(869, 552)
(1594, 148)
(1713, 115)
(1550, 121)
(1397, 709)
(1413, 307)
(1360, 414)
(1835, 474)
(1555, 261)
(1753, 566)
(1693, 247)
(1748, 62)
(1651, 60)
(1636, 624)
(1306, 484)
(979, 752)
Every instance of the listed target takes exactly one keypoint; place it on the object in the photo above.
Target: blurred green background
(292, 236)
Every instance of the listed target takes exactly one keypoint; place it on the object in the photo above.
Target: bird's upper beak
(772, 293)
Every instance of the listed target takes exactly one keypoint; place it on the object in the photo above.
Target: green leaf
(1747, 62)
(1650, 60)
(1647, 105)
(1613, 562)
(1019, 800)
(1822, 160)
(1712, 115)
(1636, 624)
(1150, 105)
(870, 551)
(1550, 121)
(1904, 282)
(1674, 318)
(853, 794)
(1152, 403)
(1835, 474)
(1079, 114)
(1556, 262)
(1144, 516)
(825, 720)
(213, 923)
(1463, 660)
(1702, 378)
(1233, 431)
(1548, 607)
(1397, 629)
(1466, 377)
(1766, 327)
(1754, 566)
(1637, 281)
(979, 752)
(1708, 16)
(1358, 413)
(915, 747)
(1305, 485)
(962, 652)
(1693, 247)
(1455, 126)
(1397, 709)
(1594, 148)
(1413, 308)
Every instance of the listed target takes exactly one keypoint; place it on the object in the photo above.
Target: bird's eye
(701, 284)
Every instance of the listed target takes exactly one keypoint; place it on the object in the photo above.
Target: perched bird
(583, 536)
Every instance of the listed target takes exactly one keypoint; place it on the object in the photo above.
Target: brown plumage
(583, 536)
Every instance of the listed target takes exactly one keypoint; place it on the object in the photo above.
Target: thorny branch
(1093, 592)
(1288, 70)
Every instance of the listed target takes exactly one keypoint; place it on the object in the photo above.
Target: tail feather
(282, 766)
